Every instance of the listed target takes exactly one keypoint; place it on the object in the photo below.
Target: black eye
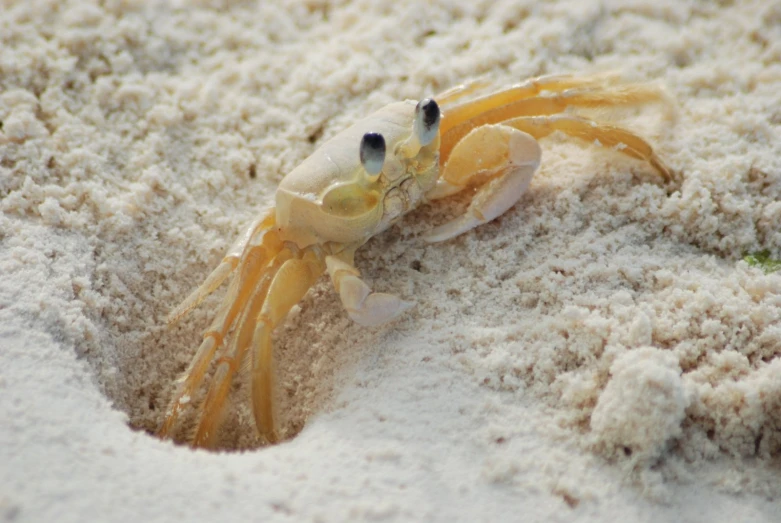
(427, 116)
(373, 153)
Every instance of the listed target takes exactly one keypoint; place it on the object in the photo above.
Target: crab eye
(372, 153)
(426, 121)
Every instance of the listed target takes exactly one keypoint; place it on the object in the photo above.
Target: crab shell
(331, 197)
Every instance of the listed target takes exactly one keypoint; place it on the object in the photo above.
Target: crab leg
(459, 91)
(504, 164)
(529, 88)
(459, 121)
(604, 135)
(288, 287)
(264, 246)
(223, 270)
(365, 307)
(228, 365)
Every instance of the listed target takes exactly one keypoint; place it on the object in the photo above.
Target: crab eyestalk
(425, 129)
(372, 153)
(427, 116)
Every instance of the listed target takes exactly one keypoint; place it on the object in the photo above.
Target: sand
(601, 352)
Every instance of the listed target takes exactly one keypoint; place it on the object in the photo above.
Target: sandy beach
(601, 352)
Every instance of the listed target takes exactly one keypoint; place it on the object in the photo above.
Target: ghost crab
(358, 184)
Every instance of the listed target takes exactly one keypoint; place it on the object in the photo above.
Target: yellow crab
(358, 184)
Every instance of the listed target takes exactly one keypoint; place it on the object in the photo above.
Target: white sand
(599, 353)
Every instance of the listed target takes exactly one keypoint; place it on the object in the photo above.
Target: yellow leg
(459, 91)
(288, 287)
(529, 88)
(228, 365)
(263, 247)
(223, 270)
(513, 103)
(609, 136)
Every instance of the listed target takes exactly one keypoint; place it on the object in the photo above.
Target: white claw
(513, 157)
(365, 307)
(379, 308)
(452, 228)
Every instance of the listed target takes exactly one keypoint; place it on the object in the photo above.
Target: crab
(359, 183)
